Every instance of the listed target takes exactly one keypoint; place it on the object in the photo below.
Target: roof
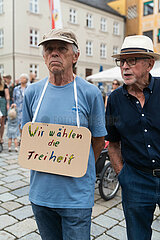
(99, 4)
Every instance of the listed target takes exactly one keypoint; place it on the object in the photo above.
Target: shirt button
(145, 130)
(137, 102)
(151, 91)
(149, 145)
(142, 114)
(153, 161)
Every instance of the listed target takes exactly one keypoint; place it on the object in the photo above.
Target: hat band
(135, 50)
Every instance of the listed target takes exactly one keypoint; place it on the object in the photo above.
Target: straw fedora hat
(137, 44)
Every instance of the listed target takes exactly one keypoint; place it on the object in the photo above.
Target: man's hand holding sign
(53, 148)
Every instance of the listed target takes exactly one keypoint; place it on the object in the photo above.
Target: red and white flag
(55, 10)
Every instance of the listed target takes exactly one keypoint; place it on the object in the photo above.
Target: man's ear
(151, 64)
(44, 58)
(76, 56)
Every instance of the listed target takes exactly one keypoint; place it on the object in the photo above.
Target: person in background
(62, 205)
(8, 81)
(133, 125)
(12, 127)
(90, 81)
(18, 95)
(1, 147)
(16, 82)
(4, 107)
(101, 88)
(115, 85)
(32, 77)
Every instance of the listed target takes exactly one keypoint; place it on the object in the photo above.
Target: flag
(55, 10)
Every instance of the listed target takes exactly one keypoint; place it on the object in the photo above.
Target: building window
(116, 28)
(1, 38)
(72, 16)
(149, 34)
(115, 50)
(158, 35)
(88, 72)
(34, 68)
(1, 6)
(148, 8)
(103, 25)
(1, 69)
(33, 37)
(132, 12)
(89, 21)
(33, 6)
(89, 48)
(103, 50)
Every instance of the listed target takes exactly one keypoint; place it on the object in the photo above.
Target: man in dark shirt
(133, 125)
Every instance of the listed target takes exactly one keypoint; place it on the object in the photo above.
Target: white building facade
(99, 29)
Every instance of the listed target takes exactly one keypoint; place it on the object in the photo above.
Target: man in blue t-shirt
(62, 205)
(133, 125)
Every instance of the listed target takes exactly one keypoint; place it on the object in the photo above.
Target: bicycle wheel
(109, 184)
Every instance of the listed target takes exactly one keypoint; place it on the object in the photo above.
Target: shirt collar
(150, 86)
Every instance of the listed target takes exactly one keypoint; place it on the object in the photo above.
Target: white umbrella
(156, 69)
(107, 75)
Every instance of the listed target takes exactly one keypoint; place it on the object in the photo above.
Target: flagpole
(55, 11)
(49, 1)
(50, 9)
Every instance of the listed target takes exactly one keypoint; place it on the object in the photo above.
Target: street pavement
(16, 216)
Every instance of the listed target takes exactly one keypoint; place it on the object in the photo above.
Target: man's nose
(55, 52)
(125, 64)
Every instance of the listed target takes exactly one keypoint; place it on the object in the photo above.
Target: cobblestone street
(17, 220)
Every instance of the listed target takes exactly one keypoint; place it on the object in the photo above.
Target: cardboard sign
(54, 148)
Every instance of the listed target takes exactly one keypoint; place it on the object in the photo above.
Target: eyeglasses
(114, 83)
(130, 61)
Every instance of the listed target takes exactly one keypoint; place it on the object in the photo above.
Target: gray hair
(75, 48)
(25, 75)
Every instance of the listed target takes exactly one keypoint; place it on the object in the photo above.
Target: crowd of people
(129, 120)
(11, 101)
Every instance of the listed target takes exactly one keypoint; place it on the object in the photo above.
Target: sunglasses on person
(114, 83)
(130, 61)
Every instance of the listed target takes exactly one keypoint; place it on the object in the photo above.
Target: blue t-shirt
(58, 107)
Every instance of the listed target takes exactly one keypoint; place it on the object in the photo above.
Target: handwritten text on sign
(54, 148)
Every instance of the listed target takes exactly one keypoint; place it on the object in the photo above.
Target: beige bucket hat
(60, 34)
